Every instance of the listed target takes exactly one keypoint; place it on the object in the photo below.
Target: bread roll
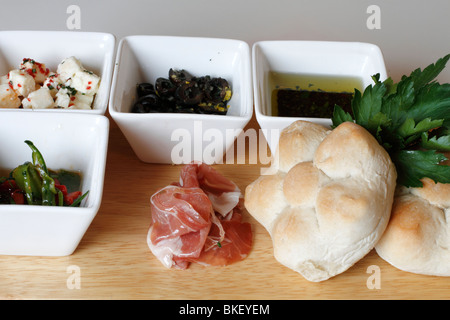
(417, 238)
(327, 200)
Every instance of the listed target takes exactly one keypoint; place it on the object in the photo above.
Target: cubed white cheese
(70, 98)
(35, 69)
(39, 99)
(9, 97)
(86, 82)
(82, 101)
(22, 82)
(68, 67)
(52, 83)
(64, 97)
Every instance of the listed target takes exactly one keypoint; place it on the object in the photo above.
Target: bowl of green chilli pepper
(32, 183)
(52, 170)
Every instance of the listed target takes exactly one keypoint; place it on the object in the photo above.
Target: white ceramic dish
(94, 50)
(66, 141)
(324, 58)
(159, 137)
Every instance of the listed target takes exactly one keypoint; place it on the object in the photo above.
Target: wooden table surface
(114, 262)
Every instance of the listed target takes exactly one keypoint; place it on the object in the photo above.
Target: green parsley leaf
(413, 165)
(440, 144)
(369, 104)
(409, 127)
(421, 78)
(410, 119)
(340, 116)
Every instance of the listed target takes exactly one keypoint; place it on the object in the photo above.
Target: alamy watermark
(74, 279)
(73, 21)
(206, 145)
(373, 22)
(374, 280)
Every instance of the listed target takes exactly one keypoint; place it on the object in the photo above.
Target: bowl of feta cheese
(56, 71)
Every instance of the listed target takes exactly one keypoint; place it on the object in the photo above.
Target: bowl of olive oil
(310, 95)
(304, 80)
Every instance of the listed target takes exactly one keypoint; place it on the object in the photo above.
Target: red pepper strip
(18, 197)
(9, 186)
(69, 198)
(61, 187)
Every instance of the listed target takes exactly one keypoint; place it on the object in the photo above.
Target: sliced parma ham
(199, 219)
(181, 220)
(234, 246)
(223, 193)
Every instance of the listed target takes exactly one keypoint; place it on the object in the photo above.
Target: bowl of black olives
(181, 99)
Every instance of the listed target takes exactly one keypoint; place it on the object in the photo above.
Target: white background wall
(413, 33)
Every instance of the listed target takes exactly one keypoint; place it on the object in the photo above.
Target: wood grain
(115, 262)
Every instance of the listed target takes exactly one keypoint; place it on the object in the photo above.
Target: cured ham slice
(233, 247)
(181, 220)
(223, 193)
(199, 219)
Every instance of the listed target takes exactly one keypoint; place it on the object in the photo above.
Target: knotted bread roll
(417, 238)
(327, 200)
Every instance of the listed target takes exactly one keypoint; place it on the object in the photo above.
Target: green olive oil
(305, 95)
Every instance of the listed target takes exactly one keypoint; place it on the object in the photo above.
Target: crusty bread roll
(327, 200)
(417, 238)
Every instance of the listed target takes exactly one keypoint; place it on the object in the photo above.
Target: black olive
(183, 93)
(189, 93)
(185, 109)
(147, 103)
(168, 106)
(164, 88)
(138, 108)
(178, 76)
(202, 82)
(216, 90)
(209, 108)
(144, 89)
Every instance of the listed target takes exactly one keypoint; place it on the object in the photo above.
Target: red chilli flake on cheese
(41, 68)
(31, 72)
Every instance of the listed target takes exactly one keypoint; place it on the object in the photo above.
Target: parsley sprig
(410, 119)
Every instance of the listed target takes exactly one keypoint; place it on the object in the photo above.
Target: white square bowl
(67, 141)
(317, 58)
(159, 137)
(95, 51)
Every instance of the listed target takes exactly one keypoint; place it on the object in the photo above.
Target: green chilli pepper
(29, 181)
(48, 189)
(37, 157)
(37, 183)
